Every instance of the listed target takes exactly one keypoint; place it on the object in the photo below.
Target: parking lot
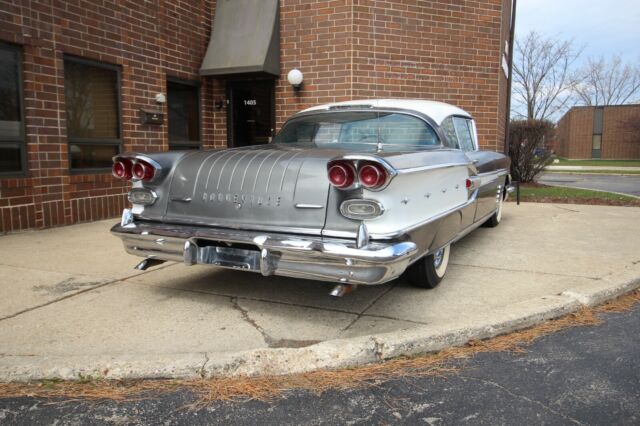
(73, 304)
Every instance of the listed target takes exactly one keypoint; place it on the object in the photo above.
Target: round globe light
(295, 77)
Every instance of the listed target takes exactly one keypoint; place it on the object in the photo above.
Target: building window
(92, 97)
(183, 115)
(12, 149)
(598, 126)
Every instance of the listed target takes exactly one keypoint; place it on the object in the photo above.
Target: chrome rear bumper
(299, 256)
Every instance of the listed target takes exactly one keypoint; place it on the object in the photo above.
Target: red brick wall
(575, 131)
(618, 140)
(347, 49)
(149, 41)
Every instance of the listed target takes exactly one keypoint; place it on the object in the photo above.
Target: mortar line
(86, 290)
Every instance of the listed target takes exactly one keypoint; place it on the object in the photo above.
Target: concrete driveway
(72, 303)
(623, 184)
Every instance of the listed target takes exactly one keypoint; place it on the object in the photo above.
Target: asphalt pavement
(583, 375)
(623, 184)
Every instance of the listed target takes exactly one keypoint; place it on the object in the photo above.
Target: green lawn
(601, 163)
(557, 194)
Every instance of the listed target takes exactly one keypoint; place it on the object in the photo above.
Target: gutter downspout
(510, 77)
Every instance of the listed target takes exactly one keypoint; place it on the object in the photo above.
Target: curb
(332, 354)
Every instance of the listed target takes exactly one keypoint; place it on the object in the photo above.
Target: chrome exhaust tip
(148, 263)
(342, 289)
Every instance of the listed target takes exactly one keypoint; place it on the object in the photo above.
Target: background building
(608, 132)
(79, 81)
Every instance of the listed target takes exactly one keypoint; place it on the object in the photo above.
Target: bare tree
(609, 82)
(543, 79)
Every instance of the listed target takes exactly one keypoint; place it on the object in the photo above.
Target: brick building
(81, 80)
(606, 132)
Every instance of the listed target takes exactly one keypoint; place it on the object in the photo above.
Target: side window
(464, 131)
(450, 133)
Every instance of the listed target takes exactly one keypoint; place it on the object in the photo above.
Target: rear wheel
(495, 219)
(430, 270)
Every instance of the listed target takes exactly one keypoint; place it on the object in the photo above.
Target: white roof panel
(438, 111)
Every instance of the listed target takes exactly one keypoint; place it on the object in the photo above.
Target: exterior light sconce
(219, 104)
(295, 79)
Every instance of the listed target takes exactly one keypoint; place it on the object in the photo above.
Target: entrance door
(251, 112)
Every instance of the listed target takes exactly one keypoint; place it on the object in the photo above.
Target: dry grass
(268, 387)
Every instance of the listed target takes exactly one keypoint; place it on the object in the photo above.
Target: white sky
(604, 27)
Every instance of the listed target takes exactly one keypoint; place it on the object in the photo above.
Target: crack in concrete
(373, 302)
(203, 372)
(525, 398)
(245, 316)
(566, 209)
(527, 271)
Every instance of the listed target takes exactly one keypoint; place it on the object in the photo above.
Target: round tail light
(143, 171)
(372, 175)
(342, 174)
(122, 169)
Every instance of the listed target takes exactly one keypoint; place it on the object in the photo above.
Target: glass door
(251, 112)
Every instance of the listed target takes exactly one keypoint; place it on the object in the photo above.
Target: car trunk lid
(266, 188)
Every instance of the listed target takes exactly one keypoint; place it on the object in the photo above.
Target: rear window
(364, 129)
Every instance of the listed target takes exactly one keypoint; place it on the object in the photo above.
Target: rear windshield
(367, 130)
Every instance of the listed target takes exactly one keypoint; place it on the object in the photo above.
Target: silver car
(358, 192)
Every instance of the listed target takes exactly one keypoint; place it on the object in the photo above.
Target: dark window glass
(88, 156)
(11, 134)
(184, 115)
(10, 159)
(93, 113)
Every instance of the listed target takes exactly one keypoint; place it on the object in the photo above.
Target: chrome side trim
(432, 167)
(308, 206)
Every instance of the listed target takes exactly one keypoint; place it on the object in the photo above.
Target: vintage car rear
(351, 193)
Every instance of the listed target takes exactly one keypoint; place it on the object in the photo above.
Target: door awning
(245, 38)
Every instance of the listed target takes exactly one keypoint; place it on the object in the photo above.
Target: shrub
(527, 149)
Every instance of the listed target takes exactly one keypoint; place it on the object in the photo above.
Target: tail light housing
(345, 174)
(342, 174)
(372, 175)
(135, 168)
(143, 171)
(123, 168)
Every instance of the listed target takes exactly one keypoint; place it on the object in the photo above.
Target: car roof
(437, 111)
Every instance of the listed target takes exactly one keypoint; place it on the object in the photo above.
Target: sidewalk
(73, 304)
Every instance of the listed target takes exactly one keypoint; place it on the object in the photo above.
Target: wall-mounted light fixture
(160, 98)
(295, 79)
(219, 104)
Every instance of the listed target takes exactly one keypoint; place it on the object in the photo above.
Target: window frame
(19, 142)
(90, 141)
(173, 145)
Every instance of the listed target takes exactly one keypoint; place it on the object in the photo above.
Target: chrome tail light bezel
(151, 169)
(358, 163)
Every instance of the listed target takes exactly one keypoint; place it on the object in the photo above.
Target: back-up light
(132, 168)
(343, 174)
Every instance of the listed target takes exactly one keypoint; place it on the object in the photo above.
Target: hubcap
(499, 212)
(437, 258)
(441, 260)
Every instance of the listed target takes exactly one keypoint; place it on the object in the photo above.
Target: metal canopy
(245, 38)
